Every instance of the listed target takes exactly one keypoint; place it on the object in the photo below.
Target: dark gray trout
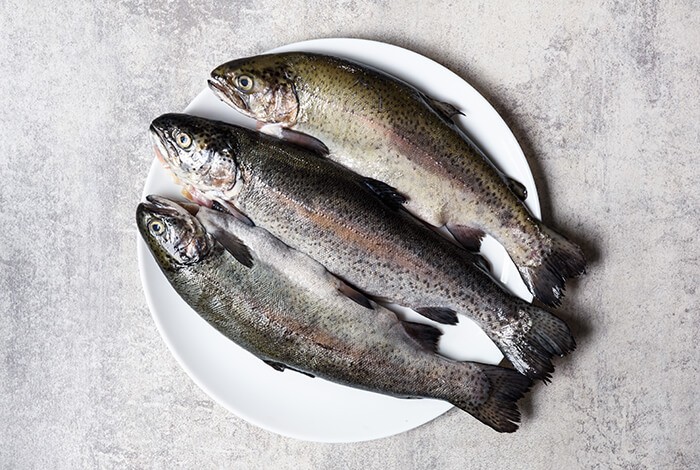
(356, 228)
(287, 310)
(386, 129)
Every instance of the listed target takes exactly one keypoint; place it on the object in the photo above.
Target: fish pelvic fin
(353, 294)
(547, 279)
(469, 237)
(426, 335)
(502, 390)
(530, 338)
(295, 137)
(388, 194)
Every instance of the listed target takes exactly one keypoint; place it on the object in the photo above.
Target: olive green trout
(288, 311)
(355, 227)
(386, 129)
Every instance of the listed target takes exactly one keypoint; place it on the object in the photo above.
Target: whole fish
(386, 129)
(286, 309)
(354, 227)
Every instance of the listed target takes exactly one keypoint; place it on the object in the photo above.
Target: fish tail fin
(546, 280)
(531, 338)
(494, 401)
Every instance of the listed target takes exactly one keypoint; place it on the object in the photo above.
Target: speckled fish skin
(284, 308)
(318, 207)
(386, 129)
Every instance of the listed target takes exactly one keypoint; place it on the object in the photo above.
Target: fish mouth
(228, 95)
(160, 145)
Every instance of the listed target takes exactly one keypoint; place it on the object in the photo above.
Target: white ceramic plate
(289, 403)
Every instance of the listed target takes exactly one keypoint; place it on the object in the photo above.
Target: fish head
(201, 153)
(175, 236)
(261, 87)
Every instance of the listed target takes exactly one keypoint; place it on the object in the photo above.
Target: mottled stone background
(603, 97)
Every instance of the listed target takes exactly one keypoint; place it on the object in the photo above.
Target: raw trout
(287, 310)
(386, 129)
(355, 227)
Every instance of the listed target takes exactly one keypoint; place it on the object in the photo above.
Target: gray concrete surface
(603, 97)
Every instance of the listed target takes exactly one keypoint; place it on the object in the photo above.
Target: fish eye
(156, 227)
(183, 140)
(244, 82)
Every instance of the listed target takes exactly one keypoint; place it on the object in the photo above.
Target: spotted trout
(287, 310)
(355, 227)
(386, 129)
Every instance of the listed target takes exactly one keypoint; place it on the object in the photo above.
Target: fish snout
(220, 86)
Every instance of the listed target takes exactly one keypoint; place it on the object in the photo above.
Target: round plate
(292, 404)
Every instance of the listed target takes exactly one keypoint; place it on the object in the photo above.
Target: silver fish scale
(317, 207)
(381, 251)
(321, 333)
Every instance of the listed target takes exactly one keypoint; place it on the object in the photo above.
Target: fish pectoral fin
(469, 237)
(353, 294)
(281, 367)
(295, 137)
(388, 194)
(193, 194)
(191, 207)
(235, 246)
(426, 335)
(443, 315)
(228, 208)
(517, 187)
(446, 110)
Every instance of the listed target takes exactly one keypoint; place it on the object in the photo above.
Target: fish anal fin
(426, 335)
(388, 194)
(443, 315)
(282, 367)
(235, 246)
(295, 137)
(469, 237)
(517, 188)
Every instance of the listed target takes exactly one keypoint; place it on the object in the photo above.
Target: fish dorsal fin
(426, 335)
(518, 188)
(388, 194)
(235, 246)
(281, 367)
(446, 110)
(295, 137)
